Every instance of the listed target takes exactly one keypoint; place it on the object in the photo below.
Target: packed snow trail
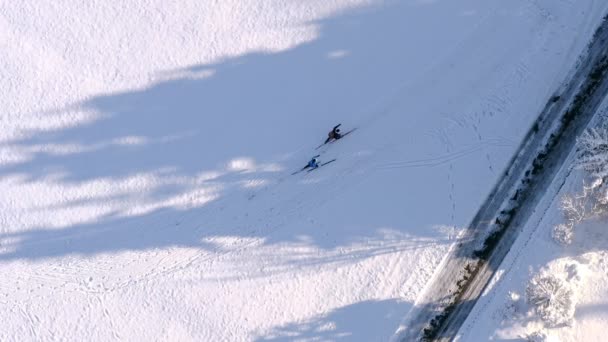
(460, 282)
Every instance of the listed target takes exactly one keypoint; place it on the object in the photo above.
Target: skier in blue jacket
(312, 164)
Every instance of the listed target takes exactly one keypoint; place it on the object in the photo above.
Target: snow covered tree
(551, 298)
(593, 151)
(592, 202)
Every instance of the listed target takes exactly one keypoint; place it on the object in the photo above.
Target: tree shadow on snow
(363, 321)
(215, 139)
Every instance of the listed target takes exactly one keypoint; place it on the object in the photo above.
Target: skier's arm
(338, 125)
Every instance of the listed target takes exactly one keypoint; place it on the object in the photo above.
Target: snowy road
(464, 275)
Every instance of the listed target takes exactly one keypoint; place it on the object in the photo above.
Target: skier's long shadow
(246, 120)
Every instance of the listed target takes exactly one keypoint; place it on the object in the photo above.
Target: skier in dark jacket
(334, 134)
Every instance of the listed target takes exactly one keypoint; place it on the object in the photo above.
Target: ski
(343, 135)
(331, 161)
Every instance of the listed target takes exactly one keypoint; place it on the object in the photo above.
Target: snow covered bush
(537, 336)
(563, 234)
(514, 308)
(551, 298)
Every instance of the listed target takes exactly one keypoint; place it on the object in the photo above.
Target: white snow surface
(146, 149)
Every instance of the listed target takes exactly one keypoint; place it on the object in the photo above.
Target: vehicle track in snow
(469, 267)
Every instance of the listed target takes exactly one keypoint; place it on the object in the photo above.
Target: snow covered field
(502, 312)
(146, 150)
